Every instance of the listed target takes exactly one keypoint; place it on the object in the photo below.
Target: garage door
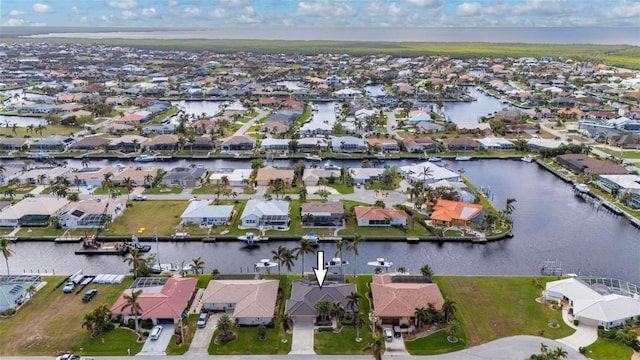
(305, 319)
(589, 322)
(165, 321)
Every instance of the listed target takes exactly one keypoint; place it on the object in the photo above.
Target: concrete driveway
(302, 339)
(585, 335)
(202, 337)
(396, 346)
(158, 347)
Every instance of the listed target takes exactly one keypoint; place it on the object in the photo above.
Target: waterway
(550, 223)
(471, 112)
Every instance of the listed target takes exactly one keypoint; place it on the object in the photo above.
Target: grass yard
(162, 190)
(627, 154)
(50, 231)
(604, 349)
(48, 130)
(434, 344)
(483, 317)
(52, 322)
(381, 231)
(116, 343)
(163, 215)
(20, 189)
(329, 343)
(190, 326)
(247, 343)
(341, 188)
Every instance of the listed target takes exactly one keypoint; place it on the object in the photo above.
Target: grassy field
(342, 189)
(604, 349)
(21, 132)
(52, 322)
(329, 343)
(626, 154)
(484, 316)
(161, 215)
(434, 344)
(163, 190)
(190, 326)
(20, 189)
(116, 343)
(247, 343)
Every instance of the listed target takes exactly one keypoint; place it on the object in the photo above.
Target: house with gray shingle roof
(185, 177)
(306, 294)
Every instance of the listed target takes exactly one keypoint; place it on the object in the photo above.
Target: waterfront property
(161, 304)
(311, 177)
(267, 175)
(591, 307)
(91, 213)
(238, 143)
(32, 211)
(377, 216)
(322, 214)
(259, 213)
(427, 172)
(347, 144)
(13, 290)
(237, 178)
(581, 163)
(622, 184)
(396, 297)
(249, 302)
(454, 213)
(199, 212)
(306, 294)
(184, 177)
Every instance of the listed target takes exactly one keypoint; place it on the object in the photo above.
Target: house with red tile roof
(395, 302)
(455, 213)
(377, 216)
(131, 119)
(160, 304)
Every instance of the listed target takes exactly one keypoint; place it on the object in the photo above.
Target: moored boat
(528, 158)
(313, 157)
(145, 158)
(462, 158)
(434, 159)
(331, 166)
(164, 268)
(583, 188)
(250, 238)
(380, 262)
(265, 264)
(311, 236)
(336, 262)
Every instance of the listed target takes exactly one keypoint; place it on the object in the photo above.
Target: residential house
(418, 145)
(249, 302)
(237, 178)
(90, 176)
(496, 144)
(312, 177)
(260, 214)
(238, 143)
(14, 290)
(473, 127)
(315, 128)
(377, 216)
(155, 129)
(454, 213)
(461, 144)
(275, 145)
(127, 143)
(199, 212)
(90, 143)
(91, 214)
(32, 211)
(622, 184)
(305, 294)
(185, 177)
(427, 172)
(322, 214)
(274, 127)
(131, 119)
(347, 144)
(42, 176)
(396, 298)
(201, 143)
(536, 145)
(363, 176)
(138, 176)
(165, 142)
(386, 145)
(12, 144)
(312, 144)
(160, 304)
(52, 143)
(267, 175)
(580, 163)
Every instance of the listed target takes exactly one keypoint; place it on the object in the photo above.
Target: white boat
(311, 237)
(434, 159)
(336, 262)
(381, 156)
(527, 158)
(463, 158)
(331, 166)
(380, 262)
(583, 188)
(187, 268)
(145, 158)
(162, 268)
(249, 238)
(265, 264)
(313, 157)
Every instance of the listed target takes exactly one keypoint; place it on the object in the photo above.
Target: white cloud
(123, 5)
(325, 12)
(149, 12)
(128, 15)
(105, 19)
(173, 3)
(534, 8)
(17, 13)
(15, 22)
(42, 8)
(431, 4)
(234, 3)
(192, 11)
(469, 9)
(218, 13)
(625, 10)
(76, 10)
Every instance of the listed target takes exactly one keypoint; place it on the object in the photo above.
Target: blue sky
(320, 13)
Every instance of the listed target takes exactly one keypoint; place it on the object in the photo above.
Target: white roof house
(493, 143)
(436, 173)
(538, 144)
(260, 213)
(40, 207)
(199, 212)
(364, 175)
(236, 178)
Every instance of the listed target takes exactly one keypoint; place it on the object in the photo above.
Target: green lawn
(190, 325)
(50, 231)
(434, 344)
(329, 343)
(341, 188)
(161, 215)
(21, 132)
(21, 189)
(52, 322)
(354, 229)
(162, 190)
(115, 343)
(247, 343)
(484, 317)
(626, 154)
(604, 349)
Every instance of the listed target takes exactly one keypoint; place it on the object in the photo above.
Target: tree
(287, 260)
(85, 161)
(224, 325)
(340, 244)
(426, 270)
(135, 260)
(358, 321)
(376, 347)
(353, 246)
(10, 193)
(421, 316)
(302, 194)
(509, 207)
(107, 182)
(402, 270)
(198, 265)
(128, 184)
(353, 301)
(305, 247)
(132, 304)
(278, 255)
(6, 251)
(547, 353)
(448, 310)
(324, 309)
(148, 179)
(453, 327)
(30, 291)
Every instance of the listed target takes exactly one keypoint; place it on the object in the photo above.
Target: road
(243, 129)
(392, 123)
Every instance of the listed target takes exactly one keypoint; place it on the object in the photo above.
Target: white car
(68, 287)
(155, 333)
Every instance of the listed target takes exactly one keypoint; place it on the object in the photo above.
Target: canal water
(551, 223)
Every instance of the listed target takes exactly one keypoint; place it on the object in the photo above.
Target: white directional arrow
(320, 270)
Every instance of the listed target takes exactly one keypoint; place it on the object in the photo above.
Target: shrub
(325, 328)
(576, 322)
(131, 324)
(582, 349)
(146, 324)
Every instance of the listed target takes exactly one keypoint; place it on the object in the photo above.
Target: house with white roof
(199, 212)
(347, 144)
(363, 176)
(316, 128)
(347, 94)
(91, 214)
(261, 213)
(538, 144)
(427, 172)
(309, 144)
(237, 178)
(271, 144)
(624, 184)
(32, 211)
(498, 144)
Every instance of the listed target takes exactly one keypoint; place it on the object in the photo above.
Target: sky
(321, 13)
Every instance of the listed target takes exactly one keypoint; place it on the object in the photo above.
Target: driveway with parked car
(394, 342)
(203, 335)
(159, 346)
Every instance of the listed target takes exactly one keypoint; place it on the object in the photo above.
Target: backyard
(150, 215)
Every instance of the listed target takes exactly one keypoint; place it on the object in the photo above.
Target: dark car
(89, 295)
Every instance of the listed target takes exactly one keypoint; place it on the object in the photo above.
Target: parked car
(388, 334)
(202, 320)
(89, 295)
(68, 287)
(155, 333)
(139, 198)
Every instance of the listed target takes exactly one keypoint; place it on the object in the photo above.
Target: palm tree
(107, 182)
(421, 316)
(277, 256)
(448, 310)
(353, 246)
(85, 161)
(402, 270)
(306, 247)
(135, 260)
(30, 291)
(376, 347)
(426, 270)
(128, 184)
(132, 304)
(148, 179)
(340, 244)
(6, 251)
(89, 322)
(224, 325)
(287, 260)
(198, 264)
(358, 322)
(353, 301)
(10, 193)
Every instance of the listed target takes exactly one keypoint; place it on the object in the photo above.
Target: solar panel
(144, 282)
(77, 213)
